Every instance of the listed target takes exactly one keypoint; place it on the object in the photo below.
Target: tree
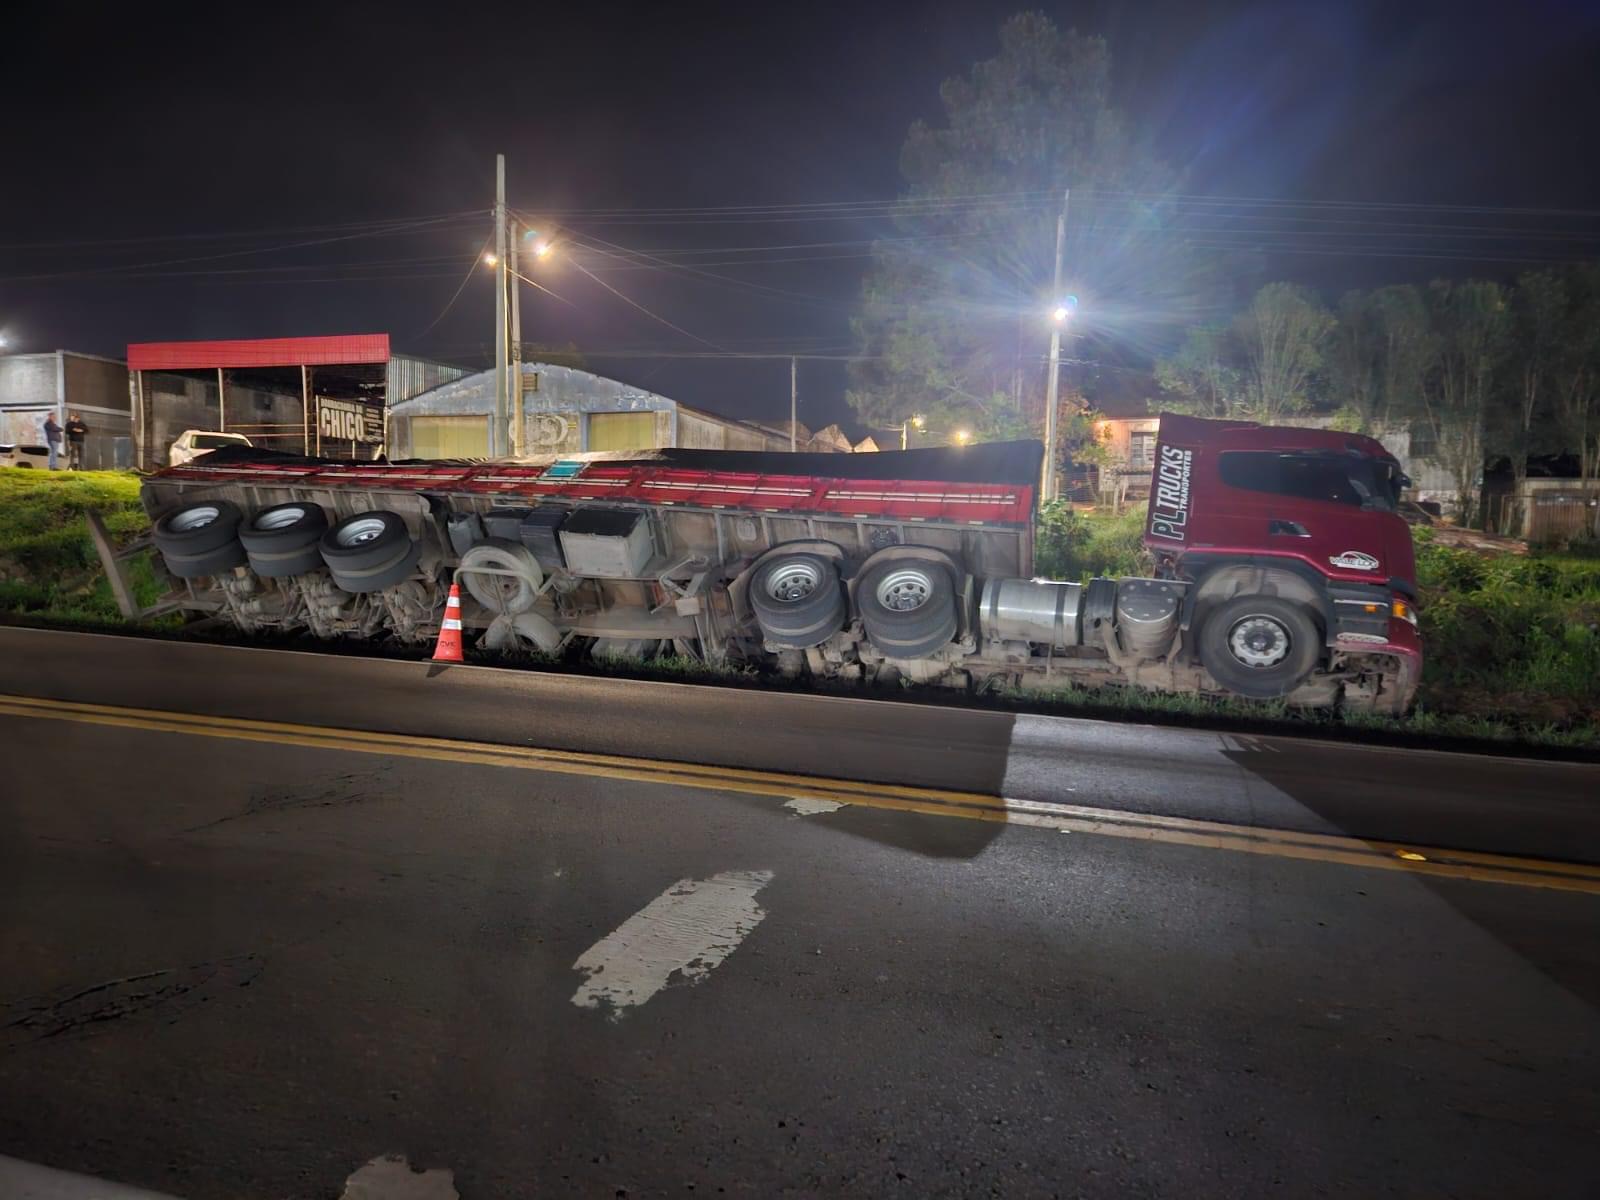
(1355, 358)
(1538, 318)
(1471, 324)
(1283, 333)
(1203, 376)
(953, 318)
(1406, 353)
(1575, 370)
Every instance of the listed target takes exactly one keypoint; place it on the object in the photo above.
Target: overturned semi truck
(1280, 567)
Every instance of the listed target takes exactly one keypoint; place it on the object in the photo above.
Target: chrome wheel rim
(359, 533)
(793, 582)
(1259, 642)
(279, 518)
(905, 590)
(195, 518)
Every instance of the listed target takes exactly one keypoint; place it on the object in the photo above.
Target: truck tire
(369, 551)
(797, 600)
(908, 606)
(504, 594)
(208, 562)
(375, 579)
(365, 541)
(283, 539)
(194, 529)
(1261, 647)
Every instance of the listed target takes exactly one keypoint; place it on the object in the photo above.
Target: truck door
(1314, 505)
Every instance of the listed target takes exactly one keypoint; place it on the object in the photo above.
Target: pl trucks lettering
(1169, 507)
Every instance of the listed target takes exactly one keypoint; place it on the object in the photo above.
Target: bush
(1515, 637)
(1072, 545)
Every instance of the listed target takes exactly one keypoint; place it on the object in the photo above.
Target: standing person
(76, 432)
(52, 437)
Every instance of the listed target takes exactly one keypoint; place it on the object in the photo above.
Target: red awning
(341, 349)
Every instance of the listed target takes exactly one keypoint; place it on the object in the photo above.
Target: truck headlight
(1403, 609)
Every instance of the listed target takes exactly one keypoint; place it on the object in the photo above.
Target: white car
(17, 455)
(192, 443)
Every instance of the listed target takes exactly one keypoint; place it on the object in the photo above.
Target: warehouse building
(569, 411)
(62, 382)
(327, 395)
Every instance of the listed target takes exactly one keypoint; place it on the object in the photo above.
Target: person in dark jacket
(76, 432)
(52, 438)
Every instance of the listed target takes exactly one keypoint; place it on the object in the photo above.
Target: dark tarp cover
(1015, 463)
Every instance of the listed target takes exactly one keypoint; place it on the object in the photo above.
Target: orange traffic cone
(448, 648)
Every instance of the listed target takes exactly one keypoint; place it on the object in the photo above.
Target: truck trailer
(1280, 568)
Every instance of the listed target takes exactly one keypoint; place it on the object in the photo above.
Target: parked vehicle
(1281, 567)
(18, 455)
(192, 443)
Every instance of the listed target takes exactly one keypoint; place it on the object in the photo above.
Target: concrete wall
(29, 380)
(1557, 511)
(33, 385)
(557, 402)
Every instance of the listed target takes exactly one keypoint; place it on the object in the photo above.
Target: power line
(461, 287)
(385, 231)
(238, 234)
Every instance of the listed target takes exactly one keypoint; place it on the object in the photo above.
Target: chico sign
(349, 421)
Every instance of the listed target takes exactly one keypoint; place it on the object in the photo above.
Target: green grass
(49, 571)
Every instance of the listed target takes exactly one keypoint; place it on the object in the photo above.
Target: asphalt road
(241, 965)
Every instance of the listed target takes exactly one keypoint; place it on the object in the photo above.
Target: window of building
(622, 431)
(1142, 449)
(1333, 478)
(1423, 443)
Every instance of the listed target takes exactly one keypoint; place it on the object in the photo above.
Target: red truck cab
(1297, 561)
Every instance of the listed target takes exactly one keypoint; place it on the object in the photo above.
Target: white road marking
(393, 1178)
(685, 932)
(24, 1181)
(805, 807)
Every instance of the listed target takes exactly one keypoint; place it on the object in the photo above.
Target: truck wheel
(365, 541)
(908, 606)
(283, 539)
(507, 594)
(1262, 647)
(797, 600)
(194, 529)
(369, 551)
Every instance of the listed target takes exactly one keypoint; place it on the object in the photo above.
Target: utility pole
(518, 420)
(794, 401)
(1047, 489)
(497, 432)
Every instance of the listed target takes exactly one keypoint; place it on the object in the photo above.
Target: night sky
(135, 134)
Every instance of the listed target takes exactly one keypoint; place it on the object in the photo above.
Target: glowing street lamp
(963, 436)
(915, 421)
(1063, 310)
(491, 259)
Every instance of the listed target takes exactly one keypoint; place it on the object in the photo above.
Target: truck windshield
(1338, 478)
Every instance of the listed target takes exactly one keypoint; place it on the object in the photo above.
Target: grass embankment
(1513, 643)
(49, 571)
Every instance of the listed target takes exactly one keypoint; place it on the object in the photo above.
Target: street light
(491, 259)
(915, 421)
(963, 436)
(1059, 316)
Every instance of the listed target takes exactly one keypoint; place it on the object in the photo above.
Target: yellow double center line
(1066, 818)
